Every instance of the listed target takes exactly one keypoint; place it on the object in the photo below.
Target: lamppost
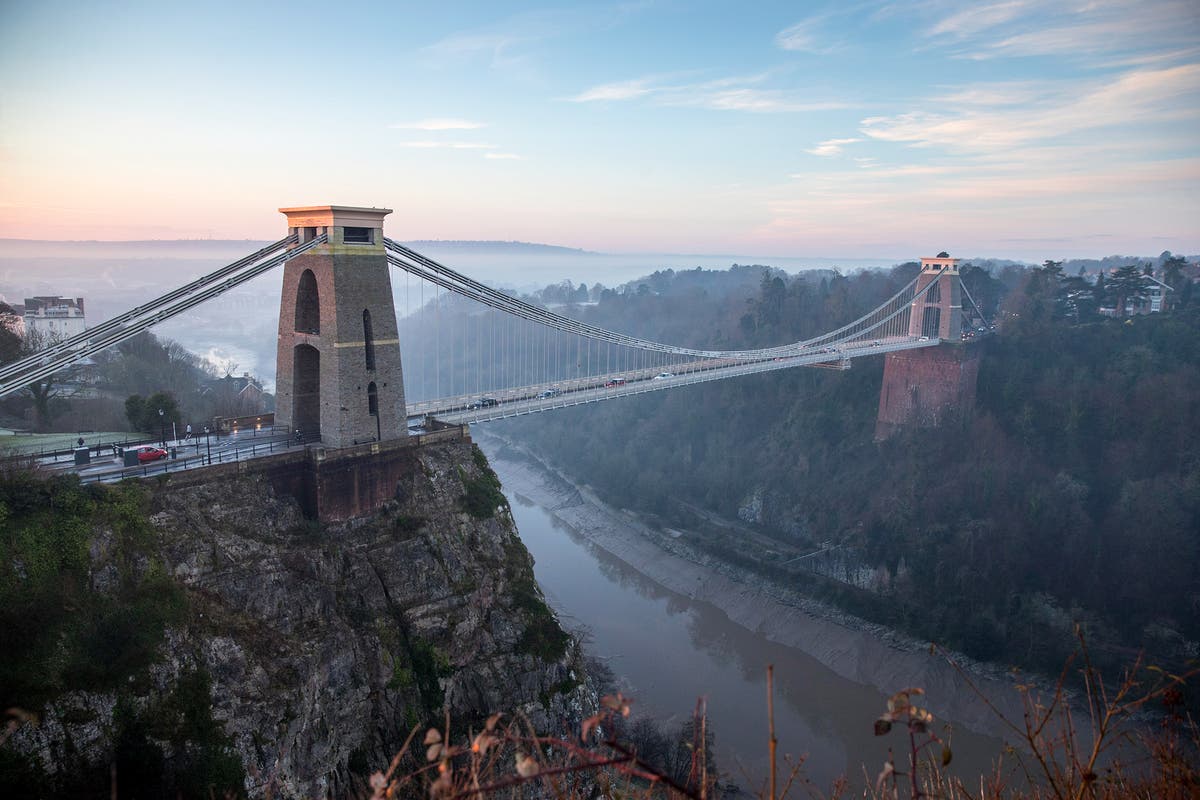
(207, 446)
(162, 428)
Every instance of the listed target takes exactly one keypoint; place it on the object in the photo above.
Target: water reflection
(668, 650)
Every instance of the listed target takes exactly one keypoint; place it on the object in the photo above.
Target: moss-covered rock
(209, 635)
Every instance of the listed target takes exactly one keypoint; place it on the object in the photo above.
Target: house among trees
(236, 396)
(1128, 291)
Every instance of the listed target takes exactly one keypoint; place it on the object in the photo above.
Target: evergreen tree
(1128, 286)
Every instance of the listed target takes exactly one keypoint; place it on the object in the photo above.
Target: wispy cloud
(508, 156)
(733, 93)
(1139, 96)
(496, 45)
(980, 18)
(745, 99)
(622, 90)
(1098, 28)
(803, 36)
(992, 94)
(447, 145)
(831, 147)
(511, 43)
(440, 124)
(912, 202)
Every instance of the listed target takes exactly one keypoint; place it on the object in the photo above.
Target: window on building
(372, 399)
(368, 339)
(358, 236)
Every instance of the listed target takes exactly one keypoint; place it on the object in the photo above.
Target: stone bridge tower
(930, 385)
(938, 314)
(338, 374)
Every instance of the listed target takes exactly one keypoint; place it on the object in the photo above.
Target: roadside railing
(206, 451)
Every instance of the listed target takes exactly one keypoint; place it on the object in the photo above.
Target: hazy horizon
(240, 325)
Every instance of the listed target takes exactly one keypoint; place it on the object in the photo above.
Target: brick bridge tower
(927, 386)
(939, 313)
(338, 374)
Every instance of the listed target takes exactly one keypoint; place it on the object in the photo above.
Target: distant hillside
(155, 248)
(201, 248)
(532, 248)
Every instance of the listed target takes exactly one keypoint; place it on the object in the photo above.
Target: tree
(1173, 271)
(1100, 290)
(48, 393)
(1128, 286)
(135, 409)
(10, 340)
(143, 412)
(1078, 299)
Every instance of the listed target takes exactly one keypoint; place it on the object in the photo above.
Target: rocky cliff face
(321, 646)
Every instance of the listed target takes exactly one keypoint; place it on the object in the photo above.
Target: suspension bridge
(340, 379)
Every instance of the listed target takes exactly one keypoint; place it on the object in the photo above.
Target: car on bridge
(148, 452)
(553, 391)
(484, 402)
(662, 376)
(614, 382)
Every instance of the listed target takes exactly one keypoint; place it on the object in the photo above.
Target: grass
(482, 494)
(34, 443)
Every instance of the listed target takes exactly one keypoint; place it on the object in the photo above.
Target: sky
(1013, 129)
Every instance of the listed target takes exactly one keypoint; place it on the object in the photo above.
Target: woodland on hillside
(1069, 494)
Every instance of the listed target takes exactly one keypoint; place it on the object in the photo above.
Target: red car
(614, 382)
(150, 453)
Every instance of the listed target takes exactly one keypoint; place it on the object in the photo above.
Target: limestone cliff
(318, 646)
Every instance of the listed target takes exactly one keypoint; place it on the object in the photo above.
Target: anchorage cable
(119, 334)
(146, 308)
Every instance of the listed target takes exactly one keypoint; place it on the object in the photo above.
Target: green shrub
(481, 494)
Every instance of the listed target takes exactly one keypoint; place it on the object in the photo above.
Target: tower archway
(308, 304)
(306, 394)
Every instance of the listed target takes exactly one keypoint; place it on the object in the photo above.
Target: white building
(55, 317)
(1156, 294)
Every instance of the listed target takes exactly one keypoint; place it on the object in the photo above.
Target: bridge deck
(525, 400)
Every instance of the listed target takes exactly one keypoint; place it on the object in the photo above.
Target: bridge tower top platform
(363, 226)
(939, 262)
(338, 372)
(938, 313)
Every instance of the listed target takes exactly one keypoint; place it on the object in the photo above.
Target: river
(668, 649)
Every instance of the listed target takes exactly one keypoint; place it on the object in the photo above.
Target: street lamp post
(162, 428)
(207, 446)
